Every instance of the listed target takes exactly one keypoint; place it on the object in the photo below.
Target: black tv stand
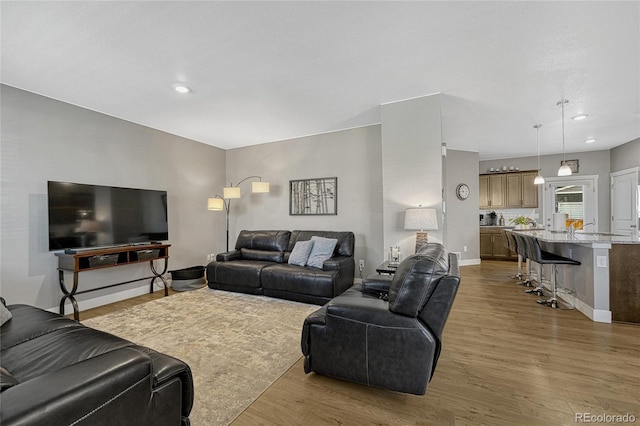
(77, 261)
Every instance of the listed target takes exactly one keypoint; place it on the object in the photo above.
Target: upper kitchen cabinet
(492, 191)
(508, 190)
(521, 191)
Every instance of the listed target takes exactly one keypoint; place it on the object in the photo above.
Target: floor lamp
(220, 203)
(420, 219)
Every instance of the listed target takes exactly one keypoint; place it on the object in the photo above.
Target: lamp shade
(539, 180)
(215, 204)
(260, 186)
(564, 170)
(231, 192)
(420, 219)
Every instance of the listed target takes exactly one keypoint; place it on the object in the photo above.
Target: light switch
(601, 261)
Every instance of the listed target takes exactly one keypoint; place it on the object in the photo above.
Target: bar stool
(510, 243)
(523, 250)
(546, 258)
(539, 289)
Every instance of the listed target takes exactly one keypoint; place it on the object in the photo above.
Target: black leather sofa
(259, 265)
(386, 332)
(56, 371)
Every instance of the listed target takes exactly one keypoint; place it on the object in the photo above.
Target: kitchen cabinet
(492, 191)
(521, 191)
(492, 245)
(508, 190)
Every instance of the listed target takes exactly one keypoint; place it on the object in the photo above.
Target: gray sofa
(259, 265)
(388, 330)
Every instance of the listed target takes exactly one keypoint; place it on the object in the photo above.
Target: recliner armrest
(377, 285)
(367, 310)
(229, 255)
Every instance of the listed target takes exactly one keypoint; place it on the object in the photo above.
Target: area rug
(237, 345)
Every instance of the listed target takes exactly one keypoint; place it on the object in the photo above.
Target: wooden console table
(89, 260)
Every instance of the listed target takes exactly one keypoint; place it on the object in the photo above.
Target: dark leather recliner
(386, 332)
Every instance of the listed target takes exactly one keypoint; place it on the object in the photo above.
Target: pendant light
(564, 170)
(539, 180)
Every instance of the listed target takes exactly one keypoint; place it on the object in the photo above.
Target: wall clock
(462, 191)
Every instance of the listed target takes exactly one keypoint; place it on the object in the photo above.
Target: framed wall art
(574, 165)
(317, 196)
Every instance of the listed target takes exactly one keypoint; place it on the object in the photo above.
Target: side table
(387, 268)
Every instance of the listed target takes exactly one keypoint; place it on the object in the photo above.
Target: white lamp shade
(215, 204)
(420, 219)
(564, 170)
(231, 192)
(260, 186)
(539, 180)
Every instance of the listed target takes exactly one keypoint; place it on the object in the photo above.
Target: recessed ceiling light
(590, 140)
(181, 88)
(580, 117)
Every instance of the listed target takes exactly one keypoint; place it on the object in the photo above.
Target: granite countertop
(580, 237)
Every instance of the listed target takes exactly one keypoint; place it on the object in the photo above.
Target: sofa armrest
(338, 262)
(167, 368)
(229, 255)
(112, 388)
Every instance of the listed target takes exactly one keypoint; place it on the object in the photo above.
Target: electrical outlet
(601, 261)
(465, 249)
(361, 264)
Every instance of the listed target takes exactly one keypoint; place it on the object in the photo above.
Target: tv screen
(83, 216)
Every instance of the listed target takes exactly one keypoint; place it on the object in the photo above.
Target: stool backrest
(521, 245)
(533, 247)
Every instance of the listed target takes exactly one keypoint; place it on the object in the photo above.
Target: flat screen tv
(85, 216)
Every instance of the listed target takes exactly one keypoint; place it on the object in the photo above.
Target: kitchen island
(606, 286)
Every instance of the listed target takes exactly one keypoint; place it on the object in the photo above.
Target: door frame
(634, 171)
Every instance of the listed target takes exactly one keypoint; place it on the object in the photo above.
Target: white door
(624, 201)
(575, 196)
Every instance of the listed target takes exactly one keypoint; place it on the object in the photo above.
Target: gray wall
(353, 156)
(625, 156)
(43, 139)
(461, 223)
(411, 167)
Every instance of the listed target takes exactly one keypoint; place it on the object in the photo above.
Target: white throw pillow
(322, 250)
(5, 314)
(300, 253)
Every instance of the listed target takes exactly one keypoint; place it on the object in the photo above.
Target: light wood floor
(505, 361)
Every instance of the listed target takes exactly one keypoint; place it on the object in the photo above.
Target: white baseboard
(468, 262)
(108, 298)
(595, 315)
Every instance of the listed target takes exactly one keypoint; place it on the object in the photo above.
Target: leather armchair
(386, 332)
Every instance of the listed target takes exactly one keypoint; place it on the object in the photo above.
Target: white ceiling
(267, 71)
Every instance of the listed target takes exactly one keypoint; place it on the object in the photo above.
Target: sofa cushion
(322, 250)
(299, 280)
(263, 240)
(239, 273)
(300, 253)
(263, 255)
(416, 279)
(5, 314)
(6, 379)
